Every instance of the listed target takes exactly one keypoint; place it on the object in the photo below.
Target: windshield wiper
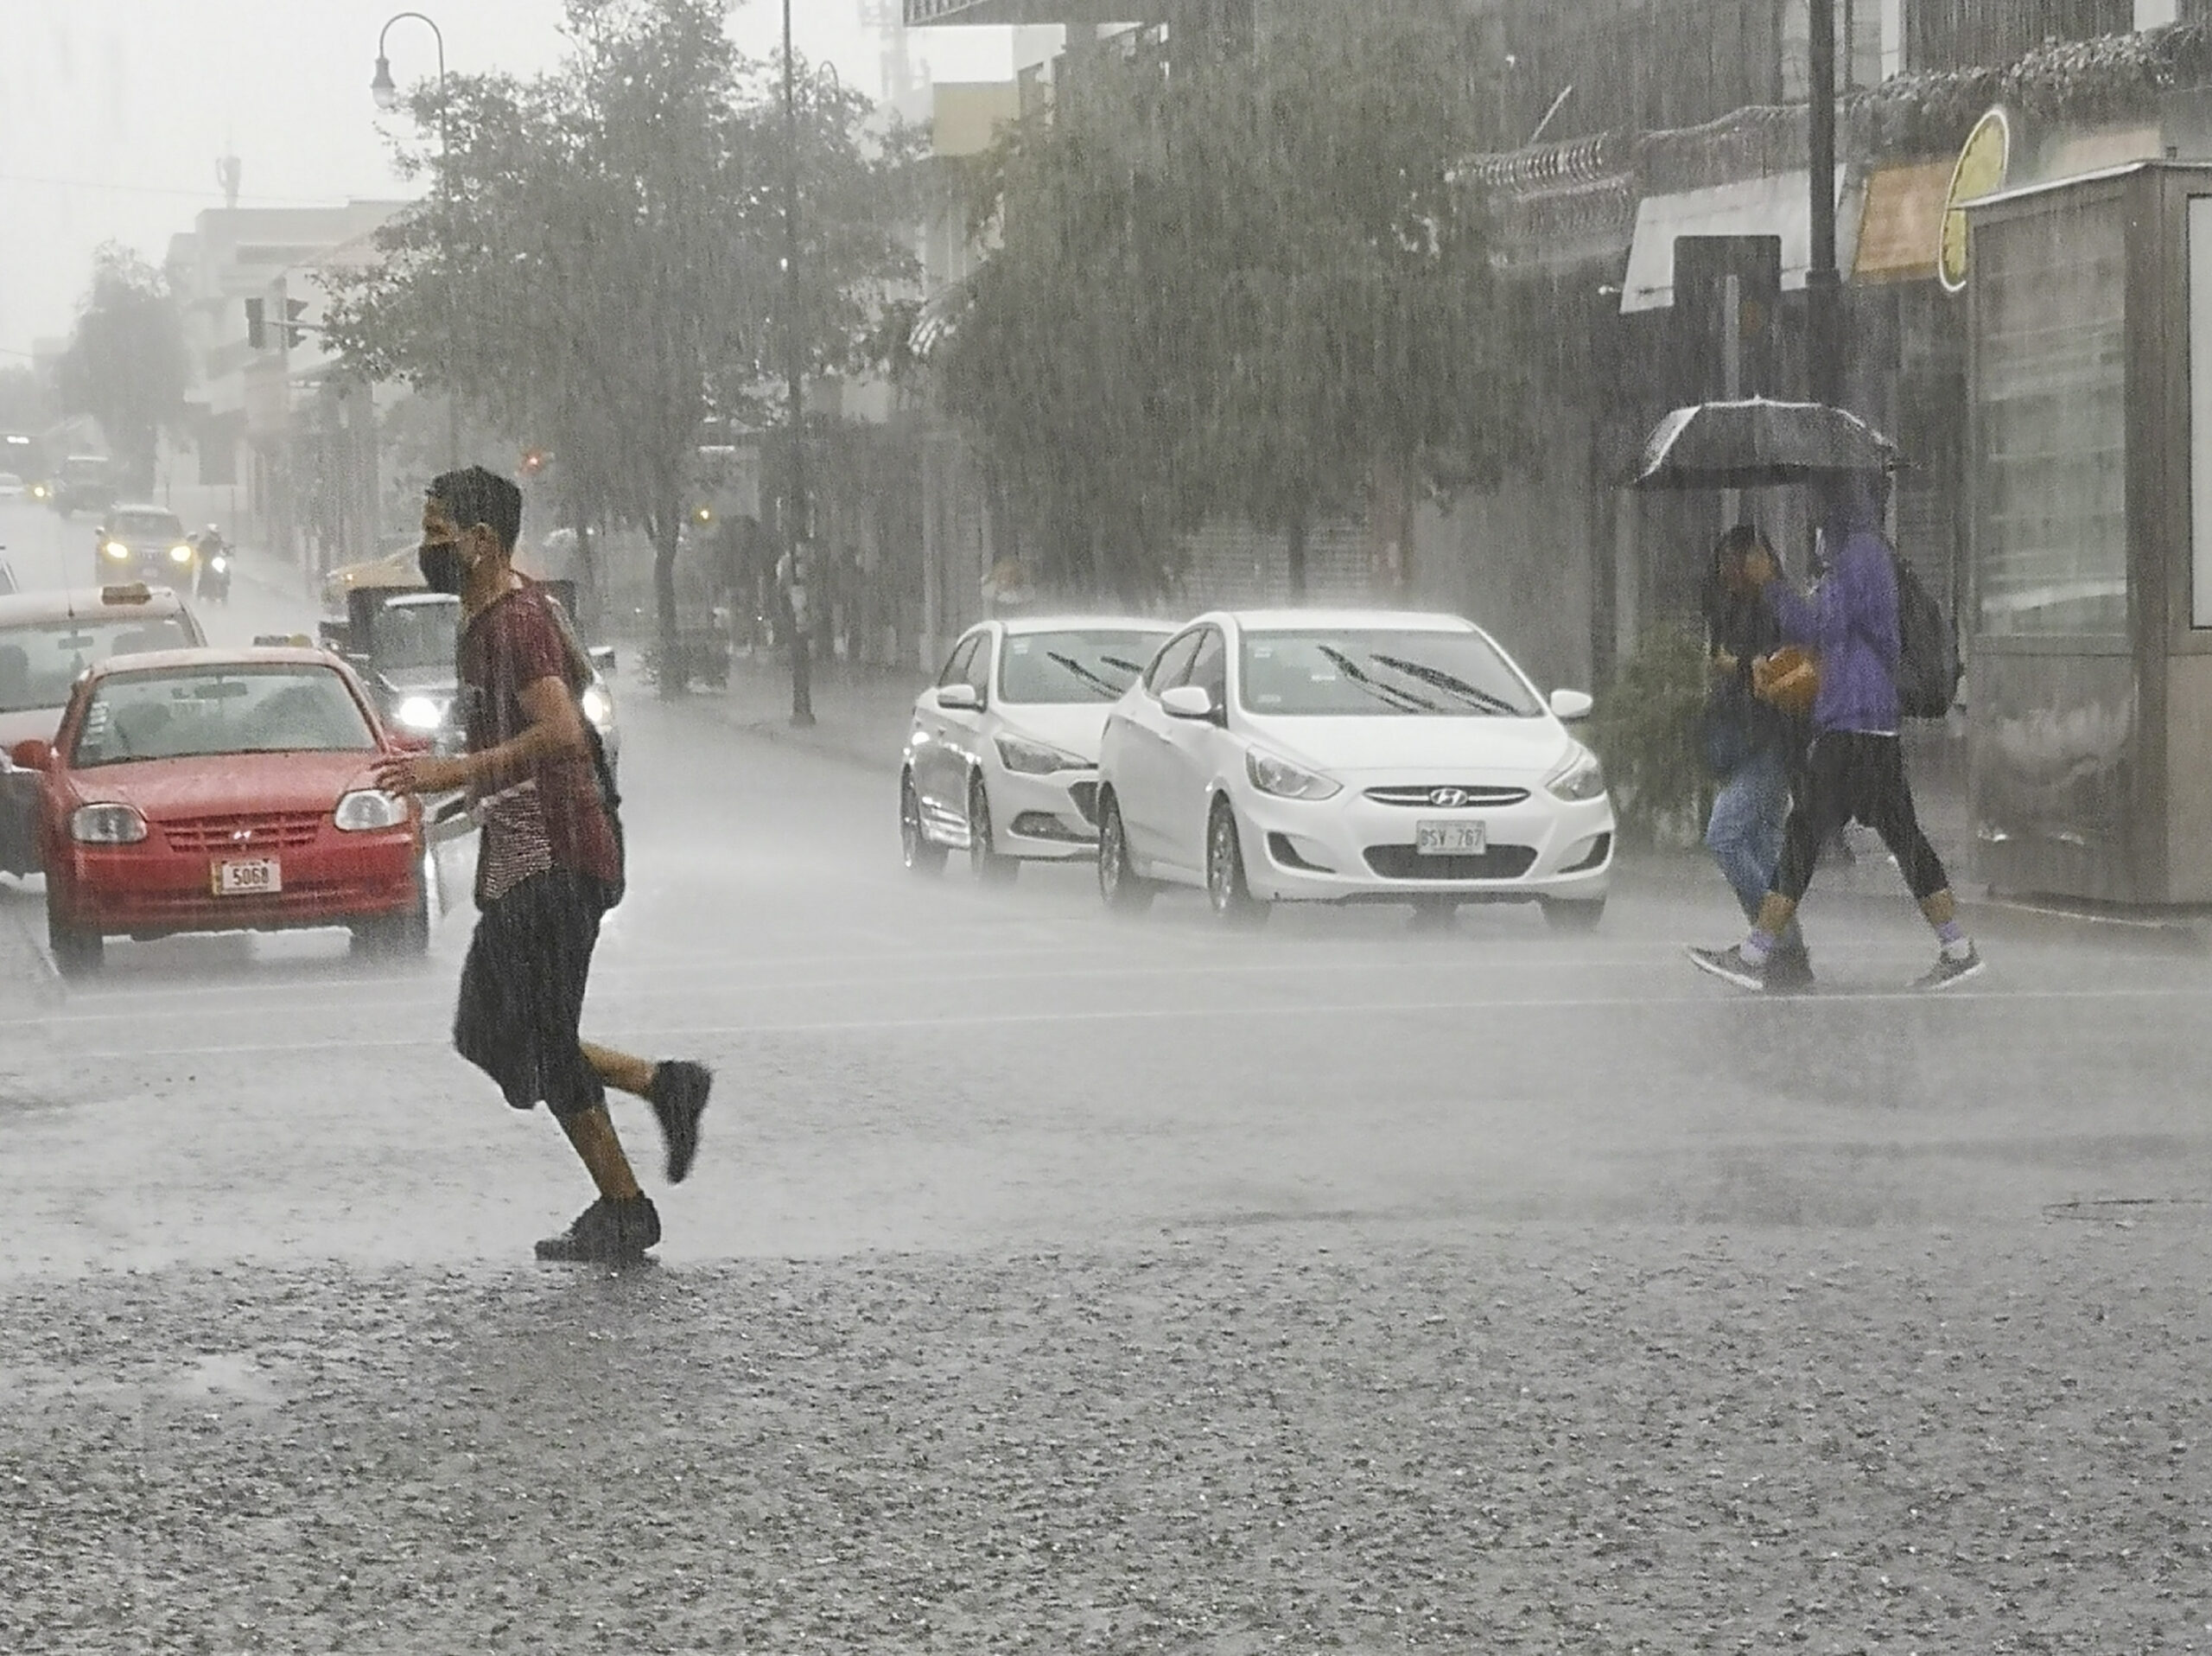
(1403, 701)
(1450, 684)
(1076, 669)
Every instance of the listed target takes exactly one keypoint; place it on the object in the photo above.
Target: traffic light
(256, 330)
(294, 309)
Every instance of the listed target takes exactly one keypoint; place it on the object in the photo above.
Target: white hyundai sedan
(1309, 755)
(1003, 758)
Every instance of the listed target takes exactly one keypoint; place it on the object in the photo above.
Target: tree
(1240, 291)
(125, 365)
(598, 264)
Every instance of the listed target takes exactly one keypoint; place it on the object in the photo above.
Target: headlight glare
(368, 808)
(106, 825)
(1581, 777)
(420, 713)
(179, 554)
(1028, 758)
(117, 549)
(1274, 775)
(598, 706)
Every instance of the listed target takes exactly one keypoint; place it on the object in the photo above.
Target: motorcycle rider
(211, 565)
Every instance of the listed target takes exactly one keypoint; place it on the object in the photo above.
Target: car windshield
(1341, 674)
(9, 480)
(196, 711)
(413, 635)
(146, 526)
(38, 663)
(1088, 665)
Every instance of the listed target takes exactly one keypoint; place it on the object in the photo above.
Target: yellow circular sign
(1980, 172)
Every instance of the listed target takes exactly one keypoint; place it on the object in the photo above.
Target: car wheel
(76, 953)
(985, 861)
(1125, 890)
(1227, 888)
(921, 854)
(398, 936)
(1574, 916)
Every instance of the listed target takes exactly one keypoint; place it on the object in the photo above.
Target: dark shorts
(522, 992)
(1854, 777)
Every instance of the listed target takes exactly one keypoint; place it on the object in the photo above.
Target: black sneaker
(678, 1096)
(607, 1232)
(1733, 966)
(1789, 971)
(1949, 970)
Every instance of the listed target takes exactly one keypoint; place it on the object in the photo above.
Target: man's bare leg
(600, 1150)
(677, 1090)
(619, 1070)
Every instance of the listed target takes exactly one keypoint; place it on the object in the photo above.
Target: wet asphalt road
(1054, 1282)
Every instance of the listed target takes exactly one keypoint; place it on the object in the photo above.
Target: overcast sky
(113, 112)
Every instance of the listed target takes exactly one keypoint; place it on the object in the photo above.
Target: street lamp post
(794, 375)
(386, 91)
(1824, 339)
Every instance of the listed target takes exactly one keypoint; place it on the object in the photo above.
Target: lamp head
(383, 88)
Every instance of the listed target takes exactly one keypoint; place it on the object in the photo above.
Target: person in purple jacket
(1856, 768)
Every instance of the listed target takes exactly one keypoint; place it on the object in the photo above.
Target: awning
(1901, 233)
(1778, 205)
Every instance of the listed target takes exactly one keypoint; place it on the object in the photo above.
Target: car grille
(1498, 862)
(1085, 795)
(254, 832)
(1477, 793)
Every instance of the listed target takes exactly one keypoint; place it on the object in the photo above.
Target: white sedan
(1003, 758)
(1339, 756)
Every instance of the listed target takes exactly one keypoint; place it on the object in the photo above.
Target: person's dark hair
(474, 496)
(1715, 598)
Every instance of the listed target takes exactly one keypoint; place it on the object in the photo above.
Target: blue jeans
(1745, 835)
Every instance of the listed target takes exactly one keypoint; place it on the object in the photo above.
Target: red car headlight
(368, 808)
(106, 825)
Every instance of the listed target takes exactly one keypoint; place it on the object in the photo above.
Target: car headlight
(218, 563)
(599, 707)
(1028, 758)
(117, 549)
(1581, 778)
(368, 808)
(420, 713)
(179, 554)
(1285, 781)
(106, 825)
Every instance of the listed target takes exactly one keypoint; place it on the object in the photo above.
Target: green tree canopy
(598, 266)
(125, 365)
(1238, 288)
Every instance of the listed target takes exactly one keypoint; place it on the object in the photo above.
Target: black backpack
(1929, 668)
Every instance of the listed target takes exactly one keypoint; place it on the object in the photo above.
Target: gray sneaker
(1733, 966)
(1949, 971)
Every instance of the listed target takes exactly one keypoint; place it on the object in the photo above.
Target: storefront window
(2053, 554)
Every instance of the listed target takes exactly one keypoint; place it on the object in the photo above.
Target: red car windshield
(201, 712)
(40, 661)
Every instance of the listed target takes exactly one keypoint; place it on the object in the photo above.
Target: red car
(206, 790)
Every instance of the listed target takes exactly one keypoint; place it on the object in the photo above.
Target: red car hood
(166, 790)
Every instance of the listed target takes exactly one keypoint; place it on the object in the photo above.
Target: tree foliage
(1238, 289)
(125, 365)
(598, 264)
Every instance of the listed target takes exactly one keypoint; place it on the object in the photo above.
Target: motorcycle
(211, 566)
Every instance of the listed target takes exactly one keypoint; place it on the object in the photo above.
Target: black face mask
(443, 570)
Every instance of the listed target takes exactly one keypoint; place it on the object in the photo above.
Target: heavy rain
(1105, 825)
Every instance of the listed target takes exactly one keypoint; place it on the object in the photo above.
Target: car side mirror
(959, 698)
(1187, 702)
(602, 657)
(1568, 705)
(32, 754)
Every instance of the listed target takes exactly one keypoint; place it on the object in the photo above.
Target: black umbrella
(1756, 443)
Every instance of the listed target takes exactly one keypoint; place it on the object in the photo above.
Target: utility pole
(794, 377)
(1824, 342)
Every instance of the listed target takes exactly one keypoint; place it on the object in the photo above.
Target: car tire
(405, 935)
(922, 855)
(1123, 889)
(76, 953)
(1227, 889)
(989, 865)
(1564, 916)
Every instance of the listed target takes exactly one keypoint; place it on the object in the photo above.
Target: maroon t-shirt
(554, 817)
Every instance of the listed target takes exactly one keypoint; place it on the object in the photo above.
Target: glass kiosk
(2089, 633)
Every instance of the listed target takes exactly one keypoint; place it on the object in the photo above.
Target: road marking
(1831, 999)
